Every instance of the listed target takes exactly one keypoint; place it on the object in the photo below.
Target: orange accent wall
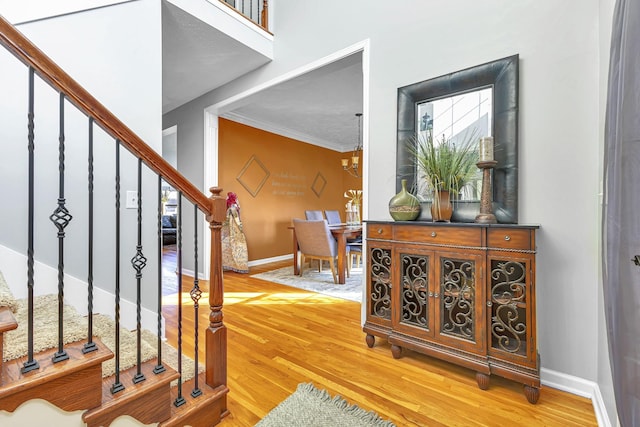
(279, 176)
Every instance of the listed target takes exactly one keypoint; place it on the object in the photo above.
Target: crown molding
(284, 131)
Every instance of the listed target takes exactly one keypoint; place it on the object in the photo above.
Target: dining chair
(354, 250)
(313, 215)
(316, 242)
(333, 217)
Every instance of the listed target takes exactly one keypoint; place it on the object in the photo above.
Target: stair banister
(213, 206)
(49, 71)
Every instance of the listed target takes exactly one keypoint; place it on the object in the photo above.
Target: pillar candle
(486, 149)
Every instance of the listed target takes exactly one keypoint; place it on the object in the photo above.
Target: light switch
(132, 200)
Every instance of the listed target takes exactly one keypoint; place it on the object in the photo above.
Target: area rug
(312, 407)
(320, 282)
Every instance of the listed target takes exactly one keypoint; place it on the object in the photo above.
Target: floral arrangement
(354, 196)
(353, 205)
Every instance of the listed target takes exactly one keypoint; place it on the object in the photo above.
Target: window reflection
(455, 119)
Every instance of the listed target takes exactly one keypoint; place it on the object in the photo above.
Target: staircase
(70, 375)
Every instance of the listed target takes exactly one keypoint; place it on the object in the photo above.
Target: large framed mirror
(479, 101)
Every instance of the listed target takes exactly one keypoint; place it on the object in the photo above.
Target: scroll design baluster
(415, 290)
(195, 294)
(139, 262)
(508, 298)
(30, 364)
(61, 218)
(380, 296)
(458, 296)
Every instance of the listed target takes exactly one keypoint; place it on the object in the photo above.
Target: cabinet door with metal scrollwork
(511, 309)
(379, 288)
(379, 282)
(414, 292)
(459, 301)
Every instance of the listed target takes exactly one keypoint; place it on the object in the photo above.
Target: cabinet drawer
(379, 231)
(459, 236)
(510, 239)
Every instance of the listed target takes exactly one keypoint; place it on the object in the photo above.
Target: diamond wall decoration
(253, 176)
(318, 185)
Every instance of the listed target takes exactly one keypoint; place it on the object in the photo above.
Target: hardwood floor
(280, 336)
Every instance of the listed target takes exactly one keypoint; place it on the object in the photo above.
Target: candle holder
(486, 215)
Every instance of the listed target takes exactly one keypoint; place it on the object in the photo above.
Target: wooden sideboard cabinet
(461, 292)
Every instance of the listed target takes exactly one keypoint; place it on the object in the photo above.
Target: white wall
(31, 10)
(115, 53)
(560, 118)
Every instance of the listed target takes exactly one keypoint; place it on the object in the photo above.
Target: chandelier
(355, 155)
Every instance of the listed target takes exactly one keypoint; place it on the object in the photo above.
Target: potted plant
(445, 167)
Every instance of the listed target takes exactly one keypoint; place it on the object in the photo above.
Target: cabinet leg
(396, 351)
(482, 380)
(371, 340)
(532, 394)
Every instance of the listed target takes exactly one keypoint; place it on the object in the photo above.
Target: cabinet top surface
(453, 224)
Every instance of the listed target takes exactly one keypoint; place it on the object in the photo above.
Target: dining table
(341, 232)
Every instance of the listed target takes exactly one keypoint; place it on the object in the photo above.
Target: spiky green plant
(444, 165)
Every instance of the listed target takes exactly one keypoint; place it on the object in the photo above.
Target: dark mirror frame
(502, 75)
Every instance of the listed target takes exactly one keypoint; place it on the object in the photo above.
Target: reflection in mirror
(454, 119)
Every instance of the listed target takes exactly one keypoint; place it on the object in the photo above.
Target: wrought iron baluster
(90, 346)
(196, 294)
(179, 399)
(30, 363)
(139, 262)
(117, 385)
(61, 218)
(159, 368)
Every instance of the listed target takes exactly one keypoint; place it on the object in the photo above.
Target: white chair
(316, 242)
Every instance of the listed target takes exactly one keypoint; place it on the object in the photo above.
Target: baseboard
(580, 387)
(269, 260)
(14, 270)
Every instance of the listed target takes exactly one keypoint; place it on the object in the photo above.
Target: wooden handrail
(45, 68)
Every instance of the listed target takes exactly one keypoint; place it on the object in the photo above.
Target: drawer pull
(507, 238)
(434, 234)
(436, 295)
(489, 304)
(380, 231)
(430, 294)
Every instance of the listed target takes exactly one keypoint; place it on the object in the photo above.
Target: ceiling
(317, 107)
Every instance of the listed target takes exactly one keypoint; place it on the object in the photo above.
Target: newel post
(216, 336)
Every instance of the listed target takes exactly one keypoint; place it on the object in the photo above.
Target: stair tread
(15, 380)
